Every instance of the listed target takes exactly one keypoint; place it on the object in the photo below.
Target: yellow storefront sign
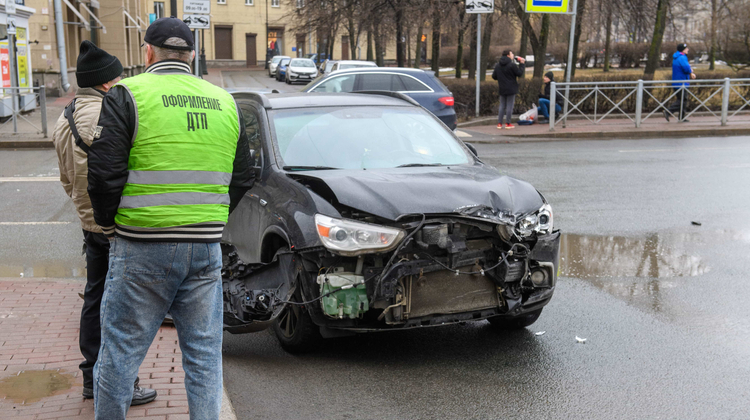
(546, 6)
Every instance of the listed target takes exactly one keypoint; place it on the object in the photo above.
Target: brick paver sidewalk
(39, 323)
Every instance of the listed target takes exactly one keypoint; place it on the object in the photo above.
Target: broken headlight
(539, 222)
(349, 238)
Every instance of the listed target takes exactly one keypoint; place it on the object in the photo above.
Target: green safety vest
(182, 154)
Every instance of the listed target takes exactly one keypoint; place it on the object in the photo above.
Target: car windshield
(276, 59)
(363, 138)
(302, 63)
(284, 62)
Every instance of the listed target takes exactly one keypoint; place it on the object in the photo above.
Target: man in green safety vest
(169, 161)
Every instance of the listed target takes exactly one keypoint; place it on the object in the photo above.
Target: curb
(625, 135)
(26, 144)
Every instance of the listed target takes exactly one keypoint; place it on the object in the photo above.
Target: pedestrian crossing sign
(546, 6)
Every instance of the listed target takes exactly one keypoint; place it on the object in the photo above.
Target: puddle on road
(31, 386)
(655, 256)
(55, 270)
(637, 269)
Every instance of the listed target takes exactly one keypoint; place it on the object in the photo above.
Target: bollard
(43, 109)
(638, 104)
(552, 106)
(725, 102)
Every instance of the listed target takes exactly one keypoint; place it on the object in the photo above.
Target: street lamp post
(267, 40)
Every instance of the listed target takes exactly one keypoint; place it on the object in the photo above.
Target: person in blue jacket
(681, 71)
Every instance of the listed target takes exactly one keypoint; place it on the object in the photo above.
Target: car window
(413, 85)
(334, 67)
(302, 62)
(380, 81)
(337, 84)
(284, 62)
(363, 138)
(252, 127)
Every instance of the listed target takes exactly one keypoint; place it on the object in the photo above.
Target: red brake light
(447, 100)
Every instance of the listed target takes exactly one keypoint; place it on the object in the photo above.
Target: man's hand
(521, 60)
(692, 75)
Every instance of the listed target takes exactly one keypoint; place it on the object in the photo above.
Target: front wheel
(516, 322)
(295, 329)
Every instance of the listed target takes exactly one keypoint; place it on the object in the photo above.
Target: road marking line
(460, 133)
(33, 223)
(680, 149)
(29, 179)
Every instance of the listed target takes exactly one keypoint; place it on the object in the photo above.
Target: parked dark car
(420, 85)
(281, 69)
(317, 58)
(368, 214)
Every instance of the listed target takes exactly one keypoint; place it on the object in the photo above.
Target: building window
(221, 1)
(249, 3)
(274, 3)
(159, 9)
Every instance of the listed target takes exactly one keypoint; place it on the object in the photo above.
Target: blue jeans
(145, 280)
(544, 107)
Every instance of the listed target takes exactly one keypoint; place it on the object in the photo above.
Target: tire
(515, 323)
(295, 329)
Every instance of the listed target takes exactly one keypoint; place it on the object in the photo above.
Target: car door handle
(263, 202)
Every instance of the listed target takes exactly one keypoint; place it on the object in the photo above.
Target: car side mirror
(255, 163)
(472, 148)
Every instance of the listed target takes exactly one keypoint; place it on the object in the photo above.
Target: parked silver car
(300, 70)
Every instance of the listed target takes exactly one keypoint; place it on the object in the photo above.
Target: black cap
(549, 75)
(95, 66)
(681, 47)
(167, 27)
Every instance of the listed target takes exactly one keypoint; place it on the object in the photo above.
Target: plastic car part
(348, 295)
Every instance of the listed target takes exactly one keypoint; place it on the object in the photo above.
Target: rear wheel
(295, 329)
(515, 323)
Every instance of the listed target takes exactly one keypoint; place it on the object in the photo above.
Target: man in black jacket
(170, 162)
(544, 98)
(506, 73)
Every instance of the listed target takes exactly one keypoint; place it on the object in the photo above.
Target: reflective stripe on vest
(182, 156)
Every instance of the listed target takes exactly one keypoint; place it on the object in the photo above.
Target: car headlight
(350, 238)
(291, 73)
(539, 222)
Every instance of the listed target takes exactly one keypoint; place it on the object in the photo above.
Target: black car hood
(472, 191)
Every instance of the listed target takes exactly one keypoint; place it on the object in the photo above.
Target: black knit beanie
(96, 66)
(549, 75)
(681, 47)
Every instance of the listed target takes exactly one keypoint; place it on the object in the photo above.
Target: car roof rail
(258, 97)
(397, 95)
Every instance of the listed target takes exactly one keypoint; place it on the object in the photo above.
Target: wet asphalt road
(661, 302)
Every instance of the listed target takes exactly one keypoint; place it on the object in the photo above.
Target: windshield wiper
(413, 165)
(306, 168)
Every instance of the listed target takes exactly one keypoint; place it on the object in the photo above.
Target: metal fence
(722, 99)
(17, 107)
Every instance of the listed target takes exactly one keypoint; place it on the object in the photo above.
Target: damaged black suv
(369, 214)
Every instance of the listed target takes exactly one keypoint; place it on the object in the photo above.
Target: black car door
(244, 228)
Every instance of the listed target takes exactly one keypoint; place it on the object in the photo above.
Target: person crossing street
(169, 163)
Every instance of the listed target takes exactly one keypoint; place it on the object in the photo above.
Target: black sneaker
(142, 395)
(666, 115)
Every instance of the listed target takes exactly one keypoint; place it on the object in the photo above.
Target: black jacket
(547, 89)
(109, 154)
(506, 72)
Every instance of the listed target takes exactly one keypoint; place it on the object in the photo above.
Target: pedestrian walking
(169, 161)
(96, 72)
(544, 98)
(681, 70)
(506, 72)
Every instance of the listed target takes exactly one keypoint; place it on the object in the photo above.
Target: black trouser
(680, 103)
(97, 264)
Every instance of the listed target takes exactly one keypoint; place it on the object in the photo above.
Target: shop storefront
(18, 23)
